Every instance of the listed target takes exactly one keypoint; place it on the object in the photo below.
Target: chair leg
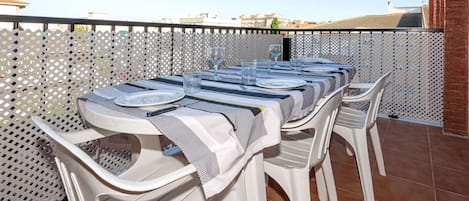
(363, 163)
(295, 183)
(320, 182)
(300, 190)
(329, 178)
(377, 149)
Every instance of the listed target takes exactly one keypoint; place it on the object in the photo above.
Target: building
(262, 21)
(397, 17)
(166, 20)
(392, 9)
(210, 20)
(301, 24)
(12, 7)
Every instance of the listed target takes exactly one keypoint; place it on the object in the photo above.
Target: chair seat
(142, 173)
(350, 117)
(293, 151)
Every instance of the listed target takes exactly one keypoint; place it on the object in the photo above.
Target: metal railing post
(286, 49)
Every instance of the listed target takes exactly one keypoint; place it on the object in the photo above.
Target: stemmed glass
(216, 55)
(275, 51)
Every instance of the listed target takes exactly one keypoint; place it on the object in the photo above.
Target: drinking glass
(191, 82)
(216, 55)
(275, 51)
(248, 71)
(296, 62)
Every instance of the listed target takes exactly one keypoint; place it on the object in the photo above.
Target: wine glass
(216, 55)
(275, 51)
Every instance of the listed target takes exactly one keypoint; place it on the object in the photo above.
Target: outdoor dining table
(222, 129)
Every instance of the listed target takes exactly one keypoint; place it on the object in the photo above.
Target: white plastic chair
(85, 180)
(352, 125)
(304, 145)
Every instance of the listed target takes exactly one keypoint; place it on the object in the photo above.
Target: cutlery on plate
(168, 109)
(255, 90)
(139, 86)
(161, 111)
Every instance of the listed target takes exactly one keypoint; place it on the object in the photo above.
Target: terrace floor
(421, 164)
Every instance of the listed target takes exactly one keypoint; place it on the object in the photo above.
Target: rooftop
(377, 21)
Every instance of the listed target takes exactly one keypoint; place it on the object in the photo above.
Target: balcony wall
(43, 71)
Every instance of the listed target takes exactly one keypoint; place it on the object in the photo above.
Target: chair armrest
(143, 186)
(85, 135)
(358, 98)
(360, 85)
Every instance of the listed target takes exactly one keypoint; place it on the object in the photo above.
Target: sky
(147, 10)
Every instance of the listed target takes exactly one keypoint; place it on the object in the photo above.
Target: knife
(161, 111)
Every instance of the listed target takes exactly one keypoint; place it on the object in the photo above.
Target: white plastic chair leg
(295, 183)
(329, 178)
(377, 149)
(363, 163)
(300, 187)
(321, 183)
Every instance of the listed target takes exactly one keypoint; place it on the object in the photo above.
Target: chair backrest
(374, 94)
(319, 123)
(84, 179)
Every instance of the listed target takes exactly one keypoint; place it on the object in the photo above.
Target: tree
(82, 28)
(275, 24)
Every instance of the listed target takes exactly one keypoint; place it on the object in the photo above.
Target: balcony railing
(415, 56)
(46, 63)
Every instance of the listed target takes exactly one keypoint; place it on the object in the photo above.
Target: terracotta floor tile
(407, 166)
(383, 126)
(449, 196)
(409, 143)
(406, 127)
(406, 150)
(433, 130)
(452, 180)
(349, 196)
(338, 154)
(449, 151)
(346, 177)
(390, 188)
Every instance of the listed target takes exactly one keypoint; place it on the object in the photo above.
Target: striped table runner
(220, 128)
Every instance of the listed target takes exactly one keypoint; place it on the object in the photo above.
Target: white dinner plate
(280, 83)
(149, 98)
(320, 69)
